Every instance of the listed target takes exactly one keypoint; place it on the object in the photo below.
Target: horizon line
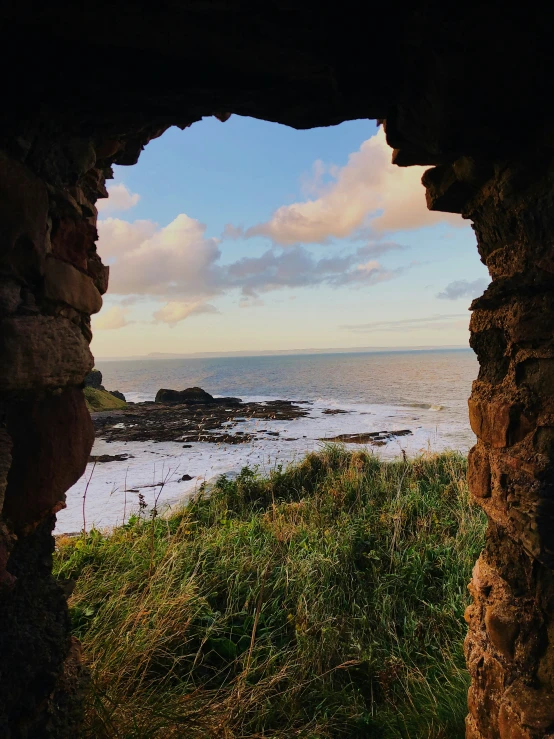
(280, 352)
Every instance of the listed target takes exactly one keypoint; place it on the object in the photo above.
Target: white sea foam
(155, 469)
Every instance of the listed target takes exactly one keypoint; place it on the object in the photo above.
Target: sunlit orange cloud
(368, 191)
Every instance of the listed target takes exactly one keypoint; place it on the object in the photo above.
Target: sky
(251, 236)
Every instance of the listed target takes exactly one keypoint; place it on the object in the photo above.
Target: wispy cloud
(463, 289)
(441, 320)
(368, 191)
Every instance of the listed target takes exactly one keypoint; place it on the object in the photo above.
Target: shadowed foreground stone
(56, 432)
(42, 680)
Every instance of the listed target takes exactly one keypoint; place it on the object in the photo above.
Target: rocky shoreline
(193, 415)
(214, 423)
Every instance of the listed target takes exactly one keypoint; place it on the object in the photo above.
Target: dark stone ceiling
(475, 78)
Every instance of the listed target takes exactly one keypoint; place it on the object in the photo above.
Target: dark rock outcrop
(192, 396)
(94, 380)
(191, 422)
(372, 437)
(102, 458)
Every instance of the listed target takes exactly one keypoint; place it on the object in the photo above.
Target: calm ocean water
(424, 391)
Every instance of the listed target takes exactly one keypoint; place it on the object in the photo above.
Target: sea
(424, 391)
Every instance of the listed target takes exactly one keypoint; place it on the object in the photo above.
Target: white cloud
(177, 260)
(182, 267)
(369, 189)
(463, 289)
(120, 198)
(112, 318)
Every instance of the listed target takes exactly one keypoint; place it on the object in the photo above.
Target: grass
(322, 601)
(102, 400)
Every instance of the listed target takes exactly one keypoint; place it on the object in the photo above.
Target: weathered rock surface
(23, 221)
(192, 396)
(509, 647)
(42, 352)
(55, 430)
(64, 283)
(72, 240)
(36, 633)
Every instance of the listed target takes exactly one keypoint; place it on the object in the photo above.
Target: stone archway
(89, 85)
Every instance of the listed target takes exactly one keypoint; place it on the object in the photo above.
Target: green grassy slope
(102, 400)
(325, 600)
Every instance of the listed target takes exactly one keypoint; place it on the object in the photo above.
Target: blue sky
(248, 235)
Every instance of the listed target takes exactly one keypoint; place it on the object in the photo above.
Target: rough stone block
(538, 375)
(472, 732)
(490, 346)
(488, 677)
(36, 699)
(64, 283)
(10, 296)
(72, 240)
(490, 421)
(41, 352)
(52, 438)
(509, 726)
(499, 423)
(522, 424)
(543, 441)
(533, 320)
(444, 191)
(7, 541)
(479, 472)
(99, 272)
(23, 220)
(534, 706)
(502, 628)
(5, 462)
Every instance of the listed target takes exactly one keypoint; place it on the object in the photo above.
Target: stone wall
(51, 280)
(510, 644)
